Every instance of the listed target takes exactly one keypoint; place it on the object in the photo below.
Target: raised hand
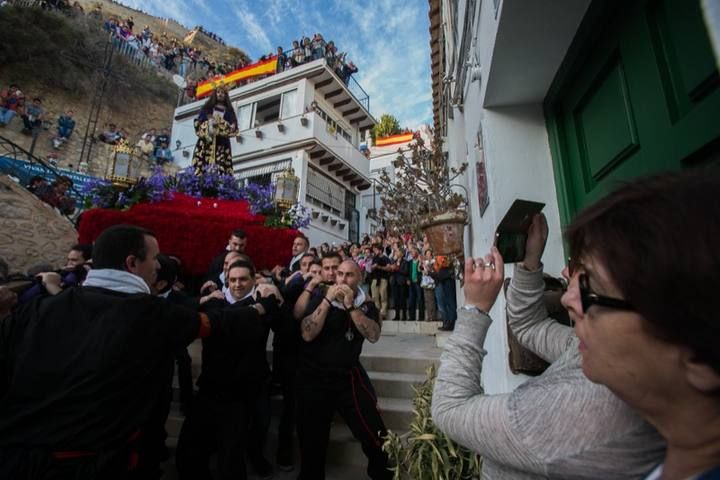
(535, 244)
(483, 280)
(267, 290)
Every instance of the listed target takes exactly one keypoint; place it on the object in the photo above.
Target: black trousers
(230, 427)
(318, 398)
(285, 366)
(185, 382)
(416, 302)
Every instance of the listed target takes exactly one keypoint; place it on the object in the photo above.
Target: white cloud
(392, 52)
(255, 31)
(387, 39)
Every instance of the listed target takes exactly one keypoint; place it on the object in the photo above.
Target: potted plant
(422, 199)
(426, 453)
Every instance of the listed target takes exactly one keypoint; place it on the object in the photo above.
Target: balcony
(328, 149)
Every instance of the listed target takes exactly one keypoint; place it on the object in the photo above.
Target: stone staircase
(394, 364)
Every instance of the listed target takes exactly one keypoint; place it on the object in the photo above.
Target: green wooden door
(638, 93)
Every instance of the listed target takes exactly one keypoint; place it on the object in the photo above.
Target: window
(245, 116)
(325, 192)
(289, 104)
(264, 174)
(267, 110)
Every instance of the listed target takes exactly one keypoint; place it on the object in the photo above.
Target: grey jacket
(556, 425)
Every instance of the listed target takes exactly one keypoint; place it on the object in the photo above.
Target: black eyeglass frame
(588, 298)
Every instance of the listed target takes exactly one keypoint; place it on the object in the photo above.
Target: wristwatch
(351, 308)
(473, 308)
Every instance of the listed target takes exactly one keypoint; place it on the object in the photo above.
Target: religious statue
(214, 126)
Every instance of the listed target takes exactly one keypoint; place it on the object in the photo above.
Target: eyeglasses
(588, 298)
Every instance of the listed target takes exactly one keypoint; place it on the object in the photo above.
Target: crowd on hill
(163, 51)
(151, 146)
(212, 35)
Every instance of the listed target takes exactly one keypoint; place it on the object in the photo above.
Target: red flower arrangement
(196, 229)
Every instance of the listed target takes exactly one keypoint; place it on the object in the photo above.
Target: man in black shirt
(231, 410)
(330, 378)
(81, 371)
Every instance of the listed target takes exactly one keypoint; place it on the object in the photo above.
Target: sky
(388, 40)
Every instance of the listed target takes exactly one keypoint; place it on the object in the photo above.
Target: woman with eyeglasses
(644, 296)
(643, 357)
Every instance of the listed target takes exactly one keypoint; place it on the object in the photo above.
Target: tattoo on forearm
(308, 324)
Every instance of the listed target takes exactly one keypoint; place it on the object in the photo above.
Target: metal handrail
(17, 152)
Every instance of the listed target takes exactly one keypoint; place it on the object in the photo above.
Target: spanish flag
(266, 67)
(394, 139)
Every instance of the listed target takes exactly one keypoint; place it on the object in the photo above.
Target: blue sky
(387, 39)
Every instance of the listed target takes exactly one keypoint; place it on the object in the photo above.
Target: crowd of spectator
(402, 274)
(590, 411)
(211, 35)
(151, 146)
(168, 54)
(308, 49)
(33, 115)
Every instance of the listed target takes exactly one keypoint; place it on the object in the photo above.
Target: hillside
(58, 58)
(212, 49)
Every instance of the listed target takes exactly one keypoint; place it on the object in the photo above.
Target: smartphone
(511, 233)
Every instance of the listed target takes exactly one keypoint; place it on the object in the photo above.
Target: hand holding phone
(511, 235)
(535, 245)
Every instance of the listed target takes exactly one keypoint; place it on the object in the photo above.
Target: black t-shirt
(376, 273)
(338, 346)
(228, 364)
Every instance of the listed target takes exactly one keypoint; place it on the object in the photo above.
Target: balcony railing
(352, 85)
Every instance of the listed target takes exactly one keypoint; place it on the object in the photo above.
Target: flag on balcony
(394, 139)
(265, 67)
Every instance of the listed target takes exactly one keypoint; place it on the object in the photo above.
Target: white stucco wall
(514, 145)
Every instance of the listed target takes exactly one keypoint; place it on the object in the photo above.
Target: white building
(557, 100)
(309, 119)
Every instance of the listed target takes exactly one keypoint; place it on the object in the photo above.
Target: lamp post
(122, 173)
(286, 189)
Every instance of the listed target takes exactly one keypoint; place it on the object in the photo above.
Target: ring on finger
(489, 265)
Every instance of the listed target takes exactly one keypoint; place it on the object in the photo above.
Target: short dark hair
(316, 261)
(168, 271)
(242, 264)
(331, 254)
(304, 238)
(658, 239)
(85, 250)
(239, 233)
(37, 178)
(116, 243)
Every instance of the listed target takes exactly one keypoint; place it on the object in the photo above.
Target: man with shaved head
(330, 378)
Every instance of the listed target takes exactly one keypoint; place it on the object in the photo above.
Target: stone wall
(31, 231)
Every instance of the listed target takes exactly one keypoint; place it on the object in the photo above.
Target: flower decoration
(211, 183)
